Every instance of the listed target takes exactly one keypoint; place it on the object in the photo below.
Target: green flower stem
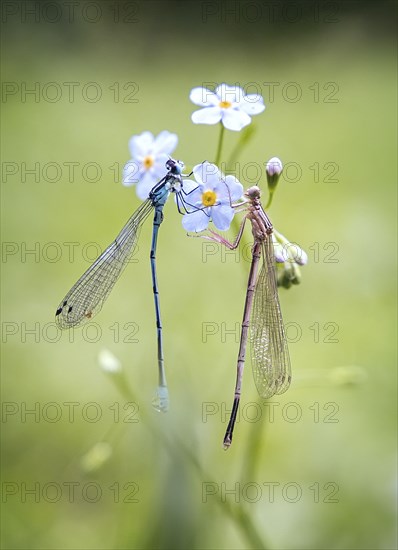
(233, 157)
(280, 238)
(220, 144)
(240, 516)
(244, 139)
(270, 196)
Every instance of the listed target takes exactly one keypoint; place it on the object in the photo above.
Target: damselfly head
(175, 166)
(253, 192)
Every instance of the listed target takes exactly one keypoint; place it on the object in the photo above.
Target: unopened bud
(273, 169)
(289, 275)
(280, 252)
(297, 254)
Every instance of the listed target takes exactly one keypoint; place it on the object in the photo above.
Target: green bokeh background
(188, 492)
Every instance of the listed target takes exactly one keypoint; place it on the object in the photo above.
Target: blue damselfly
(86, 298)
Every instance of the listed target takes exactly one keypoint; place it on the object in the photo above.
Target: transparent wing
(270, 354)
(86, 297)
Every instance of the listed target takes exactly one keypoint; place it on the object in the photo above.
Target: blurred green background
(84, 472)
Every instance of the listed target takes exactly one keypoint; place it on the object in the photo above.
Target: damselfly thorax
(261, 224)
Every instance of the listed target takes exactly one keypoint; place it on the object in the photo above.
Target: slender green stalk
(233, 157)
(270, 196)
(220, 144)
(244, 139)
(239, 515)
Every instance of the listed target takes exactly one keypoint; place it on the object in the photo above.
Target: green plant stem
(245, 136)
(238, 515)
(220, 144)
(270, 196)
(233, 157)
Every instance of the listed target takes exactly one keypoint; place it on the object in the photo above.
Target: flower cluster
(288, 256)
(211, 195)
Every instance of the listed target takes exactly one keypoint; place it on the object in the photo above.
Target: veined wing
(270, 354)
(86, 297)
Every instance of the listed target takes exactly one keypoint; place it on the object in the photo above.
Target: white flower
(228, 104)
(210, 198)
(274, 166)
(149, 156)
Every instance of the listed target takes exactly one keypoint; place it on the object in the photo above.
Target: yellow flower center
(148, 162)
(225, 104)
(209, 198)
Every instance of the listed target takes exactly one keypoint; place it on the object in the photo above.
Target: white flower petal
(165, 142)
(235, 188)
(221, 190)
(193, 201)
(203, 97)
(235, 120)
(197, 221)
(159, 166)
(209, 175)
(252, 104)
(188, 187)
(131, 173)
(191, 195)
(233, 94)
(141, 146)
(207, 115)
(222, 216)
(145, 185)
(197, 172)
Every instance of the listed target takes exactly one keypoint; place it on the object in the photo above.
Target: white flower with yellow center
(147, 165)
(210, 198)
(228, 104)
